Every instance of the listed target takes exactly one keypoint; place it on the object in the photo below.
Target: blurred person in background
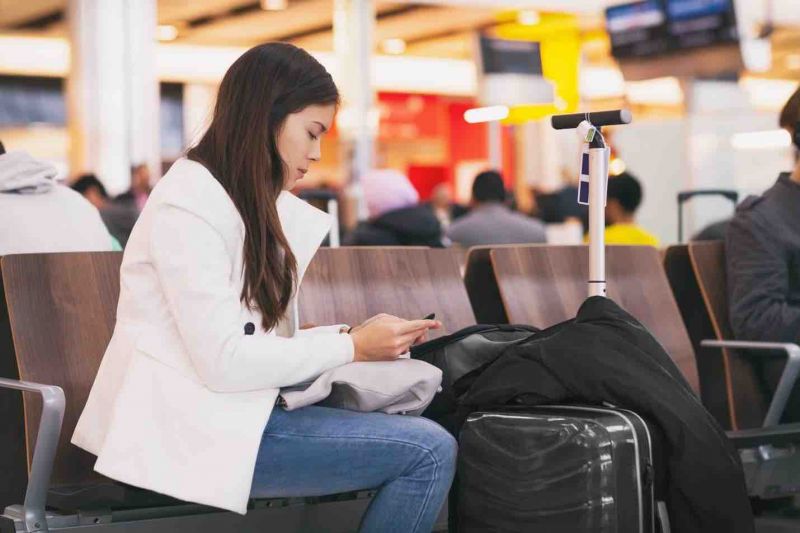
(445, 209)
(559, 206)
(395, 216)
(39, 215)
(623, 199)
(119, 218)
(140, 188)
(491, 220)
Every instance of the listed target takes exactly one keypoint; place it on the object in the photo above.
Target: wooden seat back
(349, 285)
(747, 401)
(61, 314)
(543, 285)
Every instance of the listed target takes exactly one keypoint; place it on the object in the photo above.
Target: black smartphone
(429, 317)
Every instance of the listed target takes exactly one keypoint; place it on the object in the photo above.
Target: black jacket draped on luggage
(605, 356)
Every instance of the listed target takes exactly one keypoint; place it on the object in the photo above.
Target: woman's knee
(439, 446)
(446, 448)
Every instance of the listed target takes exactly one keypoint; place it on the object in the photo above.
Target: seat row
(57, 313)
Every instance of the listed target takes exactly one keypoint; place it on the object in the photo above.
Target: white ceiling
(438, 28)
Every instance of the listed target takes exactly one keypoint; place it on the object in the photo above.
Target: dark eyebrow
(321, 125)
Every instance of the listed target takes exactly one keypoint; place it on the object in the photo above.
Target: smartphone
(429, 317)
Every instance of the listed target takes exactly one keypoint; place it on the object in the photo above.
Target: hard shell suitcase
(557, 469)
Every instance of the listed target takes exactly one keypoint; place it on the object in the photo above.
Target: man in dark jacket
(762, 251)
(763, 256)
(395, 216)
(408, 226)
(491, 220)
(119, 218)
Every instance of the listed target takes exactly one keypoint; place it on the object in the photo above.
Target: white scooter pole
(586, 125)
(598, 178)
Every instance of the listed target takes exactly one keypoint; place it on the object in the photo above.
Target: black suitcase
(557, 469)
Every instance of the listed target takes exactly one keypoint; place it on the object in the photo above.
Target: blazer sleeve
(320, 330)
(194, 268)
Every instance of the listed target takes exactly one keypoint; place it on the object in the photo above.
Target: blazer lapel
(305, 227)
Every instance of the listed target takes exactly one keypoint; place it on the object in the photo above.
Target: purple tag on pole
(583, 184)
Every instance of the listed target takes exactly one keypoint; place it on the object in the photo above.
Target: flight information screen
(654, 27)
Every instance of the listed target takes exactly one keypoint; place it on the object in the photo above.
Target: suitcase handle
(733, 196)
(684, 196)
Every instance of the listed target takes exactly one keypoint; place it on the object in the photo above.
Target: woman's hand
(385, 337)
(367, 321)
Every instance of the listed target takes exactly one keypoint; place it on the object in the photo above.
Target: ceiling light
(616, 166)
(528, 17)
(762, 140)
(597, 83)
(767, 94)
(394, 46)
(274, 5)
(486, 114)
(657, 91)
(166, 32)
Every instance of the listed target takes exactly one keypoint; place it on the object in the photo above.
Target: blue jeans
(318, 450)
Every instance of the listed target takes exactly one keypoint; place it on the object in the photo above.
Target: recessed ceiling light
(166, 32)
(486, 114)
(762, 140)
(394, 46)
(274, 5)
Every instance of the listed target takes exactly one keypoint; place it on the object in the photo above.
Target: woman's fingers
(417, 326)
(420, 339)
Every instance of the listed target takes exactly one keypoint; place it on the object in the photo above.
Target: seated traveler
(624, 198)
(491, 221)
(39, 215)
(762, 251)
(118, 217)
(395, 216)
(184, 402)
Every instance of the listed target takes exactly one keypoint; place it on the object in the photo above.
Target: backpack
(460, 353)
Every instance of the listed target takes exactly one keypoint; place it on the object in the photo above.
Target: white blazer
(182, 395)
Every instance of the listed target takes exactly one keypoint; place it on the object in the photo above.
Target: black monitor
(638, 29)
(504, 56)
(656, 27)
(696, 23)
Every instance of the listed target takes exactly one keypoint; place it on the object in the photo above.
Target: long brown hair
(240, 148)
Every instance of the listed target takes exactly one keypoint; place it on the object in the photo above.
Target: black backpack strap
(441, 342)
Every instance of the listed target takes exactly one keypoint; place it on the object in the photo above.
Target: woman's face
(300, 138)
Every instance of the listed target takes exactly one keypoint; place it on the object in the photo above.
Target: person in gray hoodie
(39, 215)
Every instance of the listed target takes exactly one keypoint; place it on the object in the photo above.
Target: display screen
(654, 27)
(504, 56)
(637, 29)
(693, 23)
(689, 9)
